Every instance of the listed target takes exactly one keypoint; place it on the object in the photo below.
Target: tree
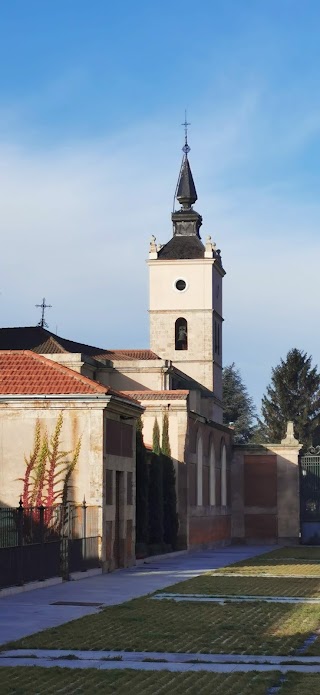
(165, 444)
(170, 516)
(155, 500)
(155, 489)
(142, 511)
(238, 406)
(156, 438)
(293, 394)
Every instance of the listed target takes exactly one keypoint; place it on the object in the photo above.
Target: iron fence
(37, 543)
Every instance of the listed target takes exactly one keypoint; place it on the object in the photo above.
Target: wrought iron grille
(310, 485)
(41, 542)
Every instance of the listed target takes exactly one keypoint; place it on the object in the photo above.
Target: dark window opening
(217, 338)
(181, 334)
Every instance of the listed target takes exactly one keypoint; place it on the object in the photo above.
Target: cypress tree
(155, 489)
(170, 516)
(142, 483)
(293, 394)
(165, 445)
(156, 438)
(155, 500)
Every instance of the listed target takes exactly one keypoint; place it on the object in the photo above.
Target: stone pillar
(288, 487)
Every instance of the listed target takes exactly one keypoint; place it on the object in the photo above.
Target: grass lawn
(147, 625)
(248, 586)
(44, 681)
(301, 684)
(289, 561)
(256, 628)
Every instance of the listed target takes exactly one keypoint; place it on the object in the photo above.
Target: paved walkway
(28, 612)
(218, 598)
(157, 661)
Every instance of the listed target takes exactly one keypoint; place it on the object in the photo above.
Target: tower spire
(186, 192)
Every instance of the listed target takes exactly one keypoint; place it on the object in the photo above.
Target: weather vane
(186, 147)
(43, 307)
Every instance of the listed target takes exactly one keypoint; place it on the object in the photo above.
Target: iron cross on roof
(186, 147)
(43, 307)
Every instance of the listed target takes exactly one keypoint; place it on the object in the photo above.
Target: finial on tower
(186, 148)
(186, 192)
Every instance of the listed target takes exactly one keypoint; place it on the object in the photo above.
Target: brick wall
(206, 530)
(265, 493)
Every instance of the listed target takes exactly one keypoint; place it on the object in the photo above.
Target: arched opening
(223, 475)
(212, 469)
(181, 334)
(199, 469)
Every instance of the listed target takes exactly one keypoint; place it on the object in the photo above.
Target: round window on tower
(180, 285)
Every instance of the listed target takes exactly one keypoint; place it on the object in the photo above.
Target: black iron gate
(37, 543)
(310, 496)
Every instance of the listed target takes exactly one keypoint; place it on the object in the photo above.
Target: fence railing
(37, 543)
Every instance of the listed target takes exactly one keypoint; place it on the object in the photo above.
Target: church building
(181, 373)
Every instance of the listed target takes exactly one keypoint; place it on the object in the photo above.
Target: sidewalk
(28, 612)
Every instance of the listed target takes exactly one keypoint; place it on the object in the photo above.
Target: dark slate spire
(186, 221)
(186, 193)
(186, 242)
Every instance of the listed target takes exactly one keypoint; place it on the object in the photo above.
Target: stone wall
(103, 465)
(265, 493)
(209, 483)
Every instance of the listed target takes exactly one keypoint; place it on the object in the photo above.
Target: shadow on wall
(265, 497)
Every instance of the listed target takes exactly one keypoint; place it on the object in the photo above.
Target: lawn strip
(247, 586)
(162, 626)
(301, 684)
(28, 681)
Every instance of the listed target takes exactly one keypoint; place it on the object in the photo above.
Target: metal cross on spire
(43, 307)
(186, 147)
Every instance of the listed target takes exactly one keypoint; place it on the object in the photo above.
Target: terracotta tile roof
(129, 355)
(50, 347)
(44, 342)
(158, 395)
(23, 372)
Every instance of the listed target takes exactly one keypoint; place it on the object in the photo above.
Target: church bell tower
(185, 301)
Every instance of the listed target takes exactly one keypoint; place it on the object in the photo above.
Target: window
(199, 470)
(118, 438)
(181, 334)
(109, 486)
(212, 475)
(217, 337)
(223, 475)
(129, 488)
(180, 285)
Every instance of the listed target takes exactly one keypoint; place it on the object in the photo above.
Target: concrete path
(207, 598)
(157, 661)
(28, 612)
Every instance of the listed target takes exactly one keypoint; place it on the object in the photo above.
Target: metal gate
(310, 496)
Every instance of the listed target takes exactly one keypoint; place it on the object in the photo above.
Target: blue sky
(91, 100)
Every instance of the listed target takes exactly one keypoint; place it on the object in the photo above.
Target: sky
(92, 97)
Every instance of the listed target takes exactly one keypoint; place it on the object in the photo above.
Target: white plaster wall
(17, 428)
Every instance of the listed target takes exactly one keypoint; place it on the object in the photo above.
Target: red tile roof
(158, 395)
(129, 355)
(23, 372)
(50, 347)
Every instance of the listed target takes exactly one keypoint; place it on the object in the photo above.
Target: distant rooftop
(44, 342)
